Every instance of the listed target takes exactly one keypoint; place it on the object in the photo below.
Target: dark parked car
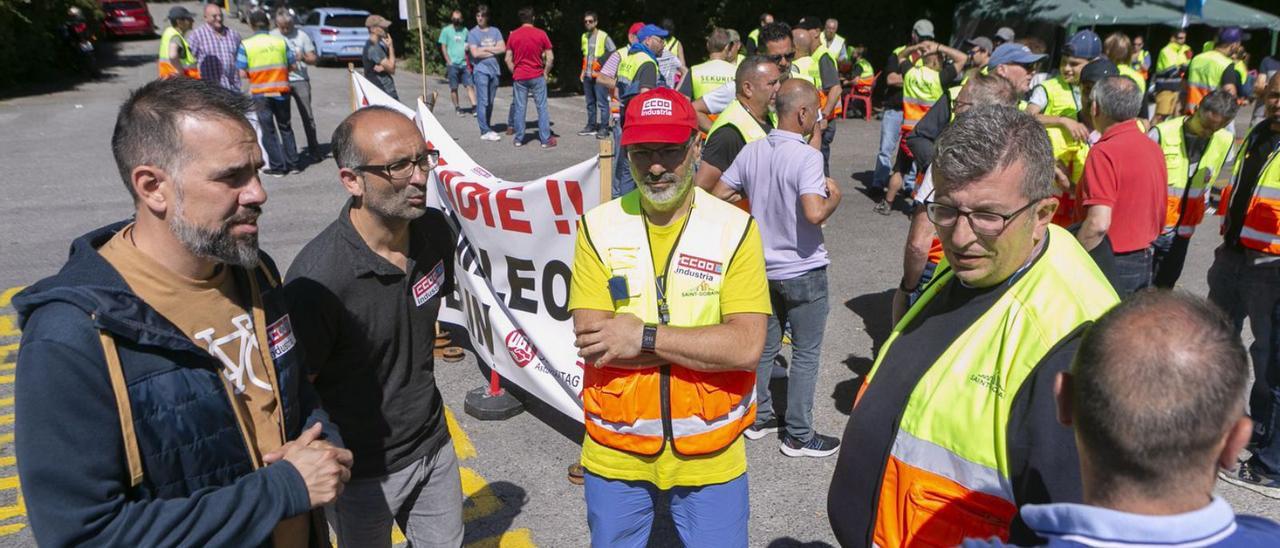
(126, 18)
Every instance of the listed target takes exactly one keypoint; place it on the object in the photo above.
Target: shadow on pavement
(788, 542)
(492, 510)
(105, 57)
(876, 311)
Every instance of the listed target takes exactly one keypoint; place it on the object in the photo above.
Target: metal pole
(422, 53)
(351, 70)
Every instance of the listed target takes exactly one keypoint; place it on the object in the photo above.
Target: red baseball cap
(635, 28)
(660, 115)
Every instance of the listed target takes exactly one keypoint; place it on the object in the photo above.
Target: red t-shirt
(1125, 171)
(526, 45)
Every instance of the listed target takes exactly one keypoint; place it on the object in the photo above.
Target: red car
(127, 18)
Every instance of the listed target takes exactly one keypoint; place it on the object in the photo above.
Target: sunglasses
(779, 57)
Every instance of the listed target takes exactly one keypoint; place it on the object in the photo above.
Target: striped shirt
(216, 55)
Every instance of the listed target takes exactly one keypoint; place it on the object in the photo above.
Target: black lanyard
(660, 281)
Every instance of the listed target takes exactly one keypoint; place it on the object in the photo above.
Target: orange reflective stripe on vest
(268, 64)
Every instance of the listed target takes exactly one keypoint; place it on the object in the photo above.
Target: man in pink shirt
(530, 58)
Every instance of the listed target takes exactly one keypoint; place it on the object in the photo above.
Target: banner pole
(606, 169)
(422, 54)
(351, 69)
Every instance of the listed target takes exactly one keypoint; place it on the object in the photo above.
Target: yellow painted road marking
(480, 501)
(7, 530)
(9, 326)
(13, 510)
(6, 402)
(6, 438)
(461, 443)
(6, 297)
(6, 419)
(6, 379)
(515, 538)
(9, 353)
(8, 366)
(8, 482)
(7, 461)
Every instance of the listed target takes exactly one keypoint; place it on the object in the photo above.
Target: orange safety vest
(1204, 74)
(1261, 230)
(166, 68)
(268, 64)
(641, 410)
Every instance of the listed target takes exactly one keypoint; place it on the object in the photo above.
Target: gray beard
(217, 244)
(395, 205)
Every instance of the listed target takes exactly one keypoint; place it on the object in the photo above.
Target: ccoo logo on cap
(660, 115)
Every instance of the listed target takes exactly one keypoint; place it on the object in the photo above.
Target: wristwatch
(649, 338)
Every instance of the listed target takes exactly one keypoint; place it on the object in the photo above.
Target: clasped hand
(606, 341)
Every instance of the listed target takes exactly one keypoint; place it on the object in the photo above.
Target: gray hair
(1117, 97)
(1221, 102)
(747, 70)
(987, 138)
(989, 89)
(346, 151)
(1156, 383)
(718, 40)
(146, 131)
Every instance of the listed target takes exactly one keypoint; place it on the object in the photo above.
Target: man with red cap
(669, 301)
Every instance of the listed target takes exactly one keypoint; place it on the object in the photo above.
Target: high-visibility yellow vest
(628, 66)
(754, 36)
(1189, 192)
(1242, 70)
(1133, 74)
(737, 117)
(597, 58)
(1061, 102)
(1172, 55)
(626, 408)
(1261, 230)
(1204, 75)
(710, 75)
(834, 45)
(952, 459)
(865, 65)
(1141, 64)
(673, 45)
(268, 64)
(921, 88)
(919, 61)
(188, 58)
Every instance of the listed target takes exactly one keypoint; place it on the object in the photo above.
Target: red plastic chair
(862, 90)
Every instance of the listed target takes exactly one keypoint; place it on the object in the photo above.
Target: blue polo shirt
(1071, 525)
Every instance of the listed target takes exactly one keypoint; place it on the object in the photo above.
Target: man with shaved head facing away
(365, 294)
(1156, 399)
(791, 198)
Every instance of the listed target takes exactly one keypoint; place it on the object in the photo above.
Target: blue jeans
(926, 276)
(486, 92)
(538, 87)
(623, 182)
(802, 302)
(277, 134)
(1268, 449)
(1132, 272)
(1170, 254)
(890, 132)
(1244, 290)
(597, 103)
(620, 513)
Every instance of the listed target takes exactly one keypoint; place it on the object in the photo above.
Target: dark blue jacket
(199, 485)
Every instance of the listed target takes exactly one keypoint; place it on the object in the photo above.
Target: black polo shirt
(367, 334)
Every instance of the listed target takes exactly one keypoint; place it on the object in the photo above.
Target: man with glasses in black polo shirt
(366, 293)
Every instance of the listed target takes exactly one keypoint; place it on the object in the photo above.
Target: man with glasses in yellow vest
(922, 86)
(264, 60)
(1245, 278)
(176, 57)
(596, 47)
(670, 303)
(1170, 71)
(955, 426)
(1195, 151)
(1214, 69)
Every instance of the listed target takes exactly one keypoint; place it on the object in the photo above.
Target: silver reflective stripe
(935, 459)
(1186, 230)
(1247, 233)
(692, 426)
(1267, 193)
(921, 102)
(642, 427)
(266, 67)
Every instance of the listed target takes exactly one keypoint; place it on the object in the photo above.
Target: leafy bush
(32, 43)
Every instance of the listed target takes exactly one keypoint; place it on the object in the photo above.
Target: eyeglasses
(983, 223)
(778, 58)
(403, 170)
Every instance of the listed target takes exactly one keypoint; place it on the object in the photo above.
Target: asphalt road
(61, 182)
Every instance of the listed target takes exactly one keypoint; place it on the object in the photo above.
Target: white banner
(513, 261)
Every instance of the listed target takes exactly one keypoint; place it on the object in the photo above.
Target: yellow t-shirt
(745, 290)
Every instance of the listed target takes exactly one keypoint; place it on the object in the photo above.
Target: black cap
(809, 22)
(1098, 69)
(179, 12)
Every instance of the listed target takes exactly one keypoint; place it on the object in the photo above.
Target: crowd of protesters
(1042, 384)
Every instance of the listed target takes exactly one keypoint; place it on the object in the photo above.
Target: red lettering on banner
(507, 205)
(574, 192)
(473, 199)
(442, 163)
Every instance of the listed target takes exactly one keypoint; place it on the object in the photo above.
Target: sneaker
(491, 136)
(551, 143)
(761, 429)
(272, 172)
(518, 142)
(458, 111)
(294, 171)
(587, 131)
(817, 446)
(883, 207)
(1249, 477)
(603, 133)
